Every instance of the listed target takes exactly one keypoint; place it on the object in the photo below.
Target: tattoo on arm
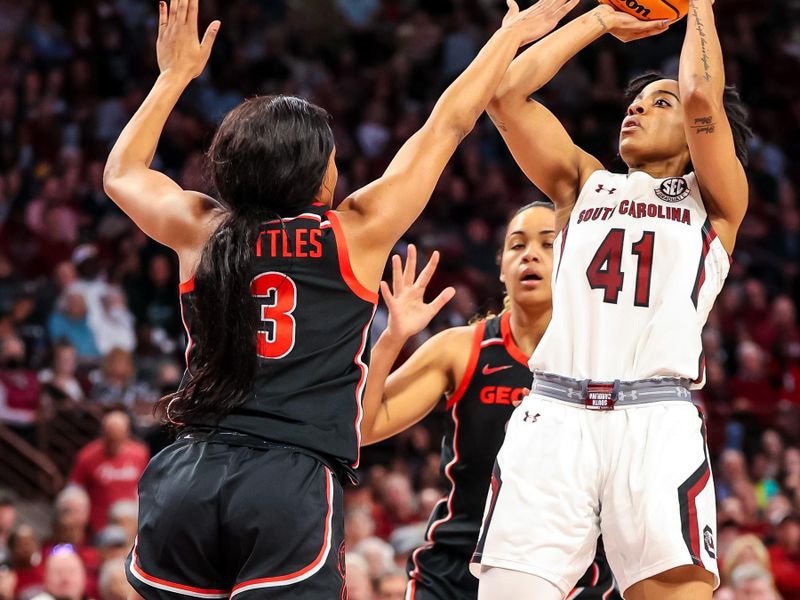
(704, 125)
(499, 124)
(601, 21)
(698, 25)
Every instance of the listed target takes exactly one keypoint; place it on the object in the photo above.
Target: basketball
(651, 10)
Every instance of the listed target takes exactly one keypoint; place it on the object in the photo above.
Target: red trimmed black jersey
(496, 375)
(313, 347)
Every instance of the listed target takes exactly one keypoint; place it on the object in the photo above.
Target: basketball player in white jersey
(618, 447)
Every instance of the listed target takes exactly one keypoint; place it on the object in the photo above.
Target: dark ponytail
(269, 158)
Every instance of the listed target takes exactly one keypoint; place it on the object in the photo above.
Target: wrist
(511, 33)
(393, 339)
(175, 76)
(604, 17)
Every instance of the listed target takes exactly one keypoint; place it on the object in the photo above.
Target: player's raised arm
(167, 213)
(712, 146)
(537, 140)
(392, 405)
(375, 216)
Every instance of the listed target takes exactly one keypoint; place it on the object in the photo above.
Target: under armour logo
(529, 418)
(601, 188)
(633, 396)
(574, 393)
(682, 392)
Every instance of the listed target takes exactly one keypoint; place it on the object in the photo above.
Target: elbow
(699, 94)
(458, 127)
(112, 173)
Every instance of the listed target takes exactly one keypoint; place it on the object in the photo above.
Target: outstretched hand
(408, 313)
(177, 47)
(628, 28)
(538, 20)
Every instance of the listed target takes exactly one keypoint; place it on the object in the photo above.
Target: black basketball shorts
(219, 520)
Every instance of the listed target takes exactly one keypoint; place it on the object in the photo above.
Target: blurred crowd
(89, 311)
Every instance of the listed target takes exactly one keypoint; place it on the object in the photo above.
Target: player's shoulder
(452, 347)
(456, 336)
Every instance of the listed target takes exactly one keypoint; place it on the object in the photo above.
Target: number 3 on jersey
(605, 270)
(276, 295)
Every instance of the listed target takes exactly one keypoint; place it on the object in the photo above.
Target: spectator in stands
(785, 556)
(59, 381)
(397, 499)
(378, 554)
(26, 557)
(153, 298)
(109, 468)
(75, 502)
(113, 582)
(8, 516)
(358, 525)
(391, 585)
(65, 575)
(115, 385)
(113, 325)
(70, 322)
(8, 577)
(358, 584)
(113, 542)
(91, 283)
(754, 394)
(744, 550)
(125, 515)
(19, 389)
(752, 582)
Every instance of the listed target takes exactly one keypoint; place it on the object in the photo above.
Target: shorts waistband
(607, 395)
(234, 438)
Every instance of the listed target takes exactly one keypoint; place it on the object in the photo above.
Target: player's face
(652, 130)
(527, 260)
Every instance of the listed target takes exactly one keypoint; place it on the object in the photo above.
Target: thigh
(683, 582)
(438, 573)
(283, 527)
(177, 549)
(541, 515)
(659, 510)
(503, 583)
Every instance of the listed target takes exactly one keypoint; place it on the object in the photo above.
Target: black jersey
(496, 375)
(312, 344)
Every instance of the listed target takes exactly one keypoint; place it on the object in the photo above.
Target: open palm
(408, 312)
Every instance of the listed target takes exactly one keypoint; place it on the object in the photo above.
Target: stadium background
(89, 314)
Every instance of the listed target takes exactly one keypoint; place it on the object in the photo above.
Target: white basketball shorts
(637, 474)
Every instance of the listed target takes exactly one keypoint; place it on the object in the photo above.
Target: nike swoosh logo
(487, 370)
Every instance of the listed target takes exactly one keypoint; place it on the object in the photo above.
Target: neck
(671, 167)
(528, 326)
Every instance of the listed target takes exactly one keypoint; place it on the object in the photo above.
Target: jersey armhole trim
(475, 351)
(345, 267)
(508, 340)
(186, 286)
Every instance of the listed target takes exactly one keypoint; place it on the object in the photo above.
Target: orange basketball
(651, 10)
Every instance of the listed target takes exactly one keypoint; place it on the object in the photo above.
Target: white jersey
(636, 272)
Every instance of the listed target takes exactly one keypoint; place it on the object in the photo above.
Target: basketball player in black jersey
(482, 370)
(278, 294)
